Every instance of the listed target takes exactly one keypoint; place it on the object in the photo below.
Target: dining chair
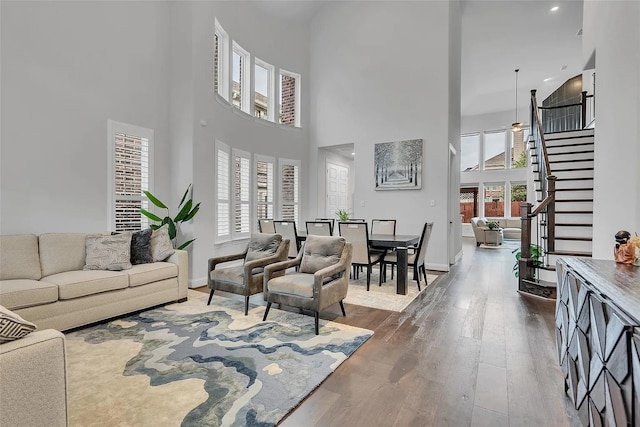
(246, 279)
(357, 233)
(288, 231)
(321, 278)
(331, 220)
(386, 227)
(416, 259)
(266, 226)
(319, 228)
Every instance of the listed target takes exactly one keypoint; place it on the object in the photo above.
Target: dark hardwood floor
(469, 351)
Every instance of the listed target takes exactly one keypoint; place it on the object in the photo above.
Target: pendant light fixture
(516, 126)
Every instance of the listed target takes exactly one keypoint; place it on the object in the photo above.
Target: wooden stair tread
(547, 267)
(570, 152)
(540, 282)
(572, 169)
(570, 253)
(578, 239)
(574, 200)
(574, 189)
(574, 144)
(584, 178)
(573, 224)
(552, 134)
(574, 212)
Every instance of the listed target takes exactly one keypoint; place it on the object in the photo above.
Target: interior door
(337, 189)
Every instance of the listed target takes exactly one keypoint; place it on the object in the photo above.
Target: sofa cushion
(13, 326)
(513, 223)
(234, 275)
(298, 284)
(19, 257)
(147, 273)
(108, 252)
(75, 284)
(161, 246)
(22, 293)
(61, 252)
(320, 252)
(262, 245)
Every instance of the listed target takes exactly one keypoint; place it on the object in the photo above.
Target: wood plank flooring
(470, 351)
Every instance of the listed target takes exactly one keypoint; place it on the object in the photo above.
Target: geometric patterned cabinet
(598, 339)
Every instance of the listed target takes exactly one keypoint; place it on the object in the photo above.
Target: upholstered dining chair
(331, 220)
(247, 279)
(386, 227)
(319, 228)
(357, 233)
(266, 226)
(288, 231)
(321, 279)
(416, 259)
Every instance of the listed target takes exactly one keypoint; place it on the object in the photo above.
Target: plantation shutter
(289, 190)
(131, 176)
(222, 192)
(242, 190)
(264, 187)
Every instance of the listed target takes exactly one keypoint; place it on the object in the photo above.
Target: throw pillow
(262, 246)
(141, 247)
(13, 326)
(161, 247)
(108, 252)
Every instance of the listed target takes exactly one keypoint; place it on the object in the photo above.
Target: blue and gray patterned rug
(192, 365)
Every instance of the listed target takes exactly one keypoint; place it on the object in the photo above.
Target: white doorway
(337, 189)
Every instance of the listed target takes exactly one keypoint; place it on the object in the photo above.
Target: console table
(598, 339)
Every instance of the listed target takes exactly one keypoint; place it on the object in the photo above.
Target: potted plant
(536, 255)
(493, 225)
(186, 211)
(343, 215)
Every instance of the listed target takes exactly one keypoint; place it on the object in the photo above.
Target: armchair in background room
(483, 233)
(247, 279)
(322, 278)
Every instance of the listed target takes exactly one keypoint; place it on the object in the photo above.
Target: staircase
(561, 223)
(571, 162)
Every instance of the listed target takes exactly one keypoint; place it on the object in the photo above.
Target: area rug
(506, 244)
(191, 364)
(384, 297)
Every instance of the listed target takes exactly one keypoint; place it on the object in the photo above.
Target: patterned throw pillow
(161, 247)
(13, 326)
(108, 252)
(141, 247)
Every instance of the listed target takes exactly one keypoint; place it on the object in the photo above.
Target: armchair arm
(342, 265)
(271, 269)
(280, 254)
(222, 259)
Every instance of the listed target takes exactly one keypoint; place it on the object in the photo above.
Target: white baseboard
(458, 257)
(196, 283)
(437, 267)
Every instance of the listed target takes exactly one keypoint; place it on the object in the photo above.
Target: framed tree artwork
(398, 165)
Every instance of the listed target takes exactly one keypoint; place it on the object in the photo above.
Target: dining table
(399, 242)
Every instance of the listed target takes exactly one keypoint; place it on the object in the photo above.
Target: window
(289, 98)
(519, 148)
(264, 168)
(468, 203)
(130, 172)
(494, 200)
(223, 231)
(241, 193)
(220, 62)
(470, 152)
(263, 97)
(240, 71)
(289, 190)
(518, 195)
(494, 149)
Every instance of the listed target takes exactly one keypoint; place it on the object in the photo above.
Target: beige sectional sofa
(42, 279)
(510, 228)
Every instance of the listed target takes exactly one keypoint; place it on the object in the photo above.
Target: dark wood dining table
(399, 242)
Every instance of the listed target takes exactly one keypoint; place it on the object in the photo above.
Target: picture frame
(398, 165)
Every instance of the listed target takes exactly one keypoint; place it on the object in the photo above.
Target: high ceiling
(498, 36)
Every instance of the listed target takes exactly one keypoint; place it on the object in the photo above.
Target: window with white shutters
(129, 175)
(240, 78)
(223, 230)
(220, 61)
(241, 194)
(264, 186)
(289, 190)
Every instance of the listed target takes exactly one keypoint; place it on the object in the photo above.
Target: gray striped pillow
(13, 326)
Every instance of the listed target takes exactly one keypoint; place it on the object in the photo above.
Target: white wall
(278, 42)
(612, 28)
(68, 67)
(386, 79)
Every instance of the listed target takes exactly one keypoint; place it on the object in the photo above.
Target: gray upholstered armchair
(322, 278)
(246, 279)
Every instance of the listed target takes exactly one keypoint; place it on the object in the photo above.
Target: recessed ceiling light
(555, 8)
(353, 154)
(564, 67)
(548, 79)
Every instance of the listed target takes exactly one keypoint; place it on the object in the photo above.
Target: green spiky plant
(343, 215)
(186, 211)
(536, 254)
